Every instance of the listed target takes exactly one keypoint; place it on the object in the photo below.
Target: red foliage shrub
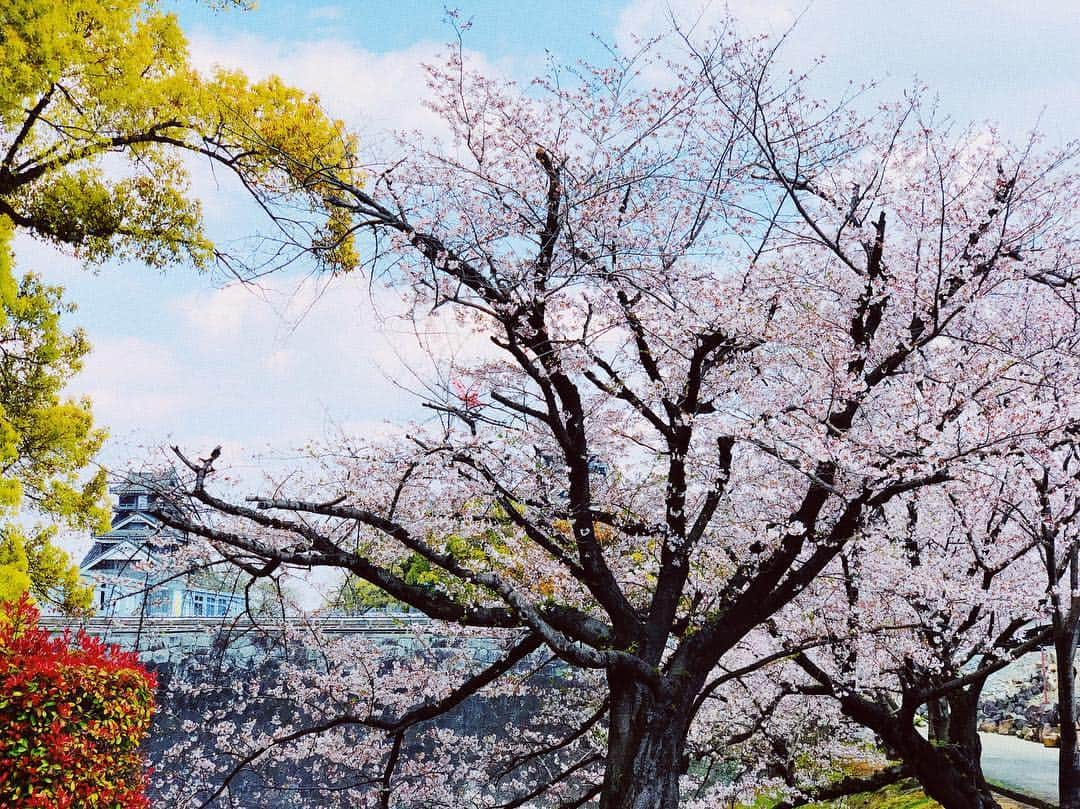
(72, 715)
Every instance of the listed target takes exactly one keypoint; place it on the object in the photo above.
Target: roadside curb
(1020, 797)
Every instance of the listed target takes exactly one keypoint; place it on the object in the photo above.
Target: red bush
(72, 715)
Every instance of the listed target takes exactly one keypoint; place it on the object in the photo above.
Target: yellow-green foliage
(45, 440)
(357, 595)
(14, 569)
(82, 80)
(98, 105)
(475, 551)
(904, 795)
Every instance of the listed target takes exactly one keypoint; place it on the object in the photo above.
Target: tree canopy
(99, 105)
(101, 117)
(740, 336)
(48, 441)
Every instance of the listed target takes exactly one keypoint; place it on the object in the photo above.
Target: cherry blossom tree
(726, 328)
(1042, 505)
(931, 601)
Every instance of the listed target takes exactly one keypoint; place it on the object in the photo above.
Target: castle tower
(125, 563)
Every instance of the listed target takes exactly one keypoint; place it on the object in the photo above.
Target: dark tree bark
(1061, 557)
(963, 735)
(950, 773)
(646, 744)
(1069, 752)
(937, 717)
(945, 773)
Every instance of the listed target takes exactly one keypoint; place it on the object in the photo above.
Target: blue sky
(512, 28)
(189, 358)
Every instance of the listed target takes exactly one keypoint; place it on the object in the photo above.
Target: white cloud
(222, 314)
(287, 320)
(281, 361)
(327, 13)
(997, 60)
(133, 380)
(375, 93)
(284, 361)
(34, 256)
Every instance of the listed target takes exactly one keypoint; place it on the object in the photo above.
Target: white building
(124, 564)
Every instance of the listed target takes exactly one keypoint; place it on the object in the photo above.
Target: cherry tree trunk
(1069, 753)
(946, 776)
(937, 717)
(963, 737)
(646, 743)
(943, 771)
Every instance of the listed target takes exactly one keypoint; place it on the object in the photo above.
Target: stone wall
(203, 666)
(1021, 700)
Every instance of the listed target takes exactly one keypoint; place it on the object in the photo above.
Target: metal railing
(169, 625)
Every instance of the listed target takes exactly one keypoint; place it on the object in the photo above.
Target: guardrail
(358, 624)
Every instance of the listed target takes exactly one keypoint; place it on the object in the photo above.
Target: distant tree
(1042, 501)
(263, 596)
(933, 598)
(726, 327)
(355, 597)
(99, 107)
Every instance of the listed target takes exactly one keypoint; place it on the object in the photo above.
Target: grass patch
(902, 795)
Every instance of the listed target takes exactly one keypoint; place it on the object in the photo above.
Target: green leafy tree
(356, 596)
(82, 81)
(46, 440)
(263, 596)
(99, 105)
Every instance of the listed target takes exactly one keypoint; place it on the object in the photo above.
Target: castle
(125, 564)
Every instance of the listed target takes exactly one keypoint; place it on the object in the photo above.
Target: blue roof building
(128, 563)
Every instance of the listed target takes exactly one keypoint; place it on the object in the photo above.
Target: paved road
(1025, 766)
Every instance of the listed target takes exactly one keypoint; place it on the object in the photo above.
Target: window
(198, 604)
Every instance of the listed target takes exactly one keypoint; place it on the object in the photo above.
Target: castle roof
(133, 522)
